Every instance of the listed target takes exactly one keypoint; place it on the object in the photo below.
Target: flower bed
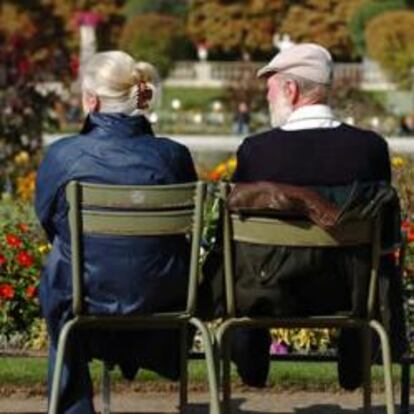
(22, 247)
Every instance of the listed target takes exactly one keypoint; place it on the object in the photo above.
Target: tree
(226, 25)
(362, 16)
(32, 52)
(178, 47)
(108, 31)
(138, 39)
(324, 22)
(176, 8)
(389, 39)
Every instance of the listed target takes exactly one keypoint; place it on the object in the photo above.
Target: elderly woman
(115, 146)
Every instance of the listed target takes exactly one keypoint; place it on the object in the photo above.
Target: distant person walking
(241, 121)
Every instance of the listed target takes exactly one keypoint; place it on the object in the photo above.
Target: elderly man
(307, 146)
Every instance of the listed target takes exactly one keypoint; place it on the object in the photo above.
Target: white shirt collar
(310, 117)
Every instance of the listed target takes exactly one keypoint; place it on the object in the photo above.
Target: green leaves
(389, 41)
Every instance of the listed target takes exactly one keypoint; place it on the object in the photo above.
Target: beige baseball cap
(307, 60)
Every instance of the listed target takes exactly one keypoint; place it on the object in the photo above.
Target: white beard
(280, 111)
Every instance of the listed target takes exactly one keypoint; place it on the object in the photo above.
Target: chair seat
(155, 320)
(306, 321)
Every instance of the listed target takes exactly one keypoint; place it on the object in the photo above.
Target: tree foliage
(324, 22)
(235, 25)
(389, 40)
(37, 44)
(108, 31)
(362, 16)
(30, 52)
(167, 7)
(250, 25)
(138, 39)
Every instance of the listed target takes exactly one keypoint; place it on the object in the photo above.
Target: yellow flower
(22, 158)
(26, 186)
(44, 248)
(231, 163)
(397, 162)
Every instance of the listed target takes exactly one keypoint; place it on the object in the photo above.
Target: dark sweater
(322, 156)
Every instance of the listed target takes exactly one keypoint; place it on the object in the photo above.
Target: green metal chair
(136, 211)
(301, 233)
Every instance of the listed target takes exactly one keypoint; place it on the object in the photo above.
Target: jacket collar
(117, 123)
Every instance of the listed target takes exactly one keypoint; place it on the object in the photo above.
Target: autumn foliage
(324, 22)
(235, 25)
(389, 39)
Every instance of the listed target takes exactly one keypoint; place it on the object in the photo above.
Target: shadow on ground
(236, 408)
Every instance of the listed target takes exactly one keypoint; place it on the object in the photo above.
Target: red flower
(25, 259)
(13, 241)
(2, 260)
(405, 226)
(31, 292)
(6, 291)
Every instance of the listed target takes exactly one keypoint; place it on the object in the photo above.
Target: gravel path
(258, 402)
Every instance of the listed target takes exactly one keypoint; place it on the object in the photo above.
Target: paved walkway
(259, 402)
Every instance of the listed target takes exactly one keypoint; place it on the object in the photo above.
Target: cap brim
(266, 71)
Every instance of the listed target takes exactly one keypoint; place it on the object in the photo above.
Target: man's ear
(292, 91)
(91, 102)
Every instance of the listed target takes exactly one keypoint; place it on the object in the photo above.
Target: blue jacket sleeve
(49, 179)
(186, 170)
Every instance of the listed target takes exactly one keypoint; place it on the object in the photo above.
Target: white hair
(309, 88)
(113, 77)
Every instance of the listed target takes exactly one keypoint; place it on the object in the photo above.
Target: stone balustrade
(218, 74)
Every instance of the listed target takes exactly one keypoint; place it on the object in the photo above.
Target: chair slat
(137, 223)
(137, 197)
(298, 232)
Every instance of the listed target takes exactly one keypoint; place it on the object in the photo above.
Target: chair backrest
(124, 210)
(295, 233)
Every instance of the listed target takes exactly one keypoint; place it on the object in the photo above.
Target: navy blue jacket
(122, 275)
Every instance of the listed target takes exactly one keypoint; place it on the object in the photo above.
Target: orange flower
(3, 260)
(31, 292)
(13, 241)
(214, 176)
(6, 291)
(25, 259)
(23, 227)
(410, 235)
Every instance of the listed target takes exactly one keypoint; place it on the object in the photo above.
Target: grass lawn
(30, 373)
(192, 98)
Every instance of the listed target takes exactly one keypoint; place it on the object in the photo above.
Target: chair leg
(405, 386)
(223, 345)
(226, 373)
(183, 369)
(211, 367)
(367, 362)
(217, 359)
(57, 374)
(386, 359)
(106, 388)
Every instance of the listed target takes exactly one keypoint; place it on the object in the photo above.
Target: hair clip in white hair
(144, 95)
